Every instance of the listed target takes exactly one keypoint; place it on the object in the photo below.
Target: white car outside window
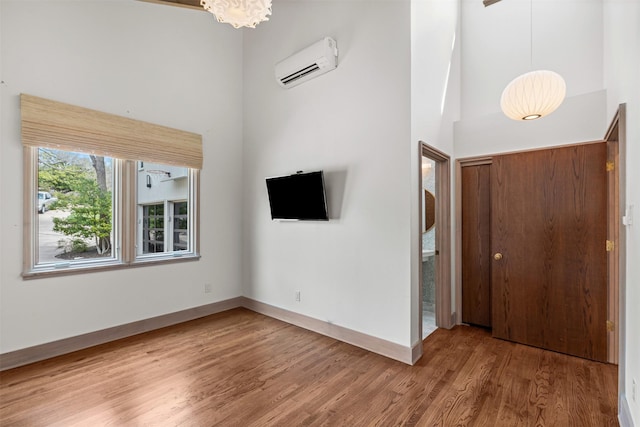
(44, 199)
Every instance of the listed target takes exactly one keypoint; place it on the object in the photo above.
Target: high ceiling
(195, 4)
(192, 4)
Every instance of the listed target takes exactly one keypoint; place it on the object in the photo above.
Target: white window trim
(124, 224)
(169, 225)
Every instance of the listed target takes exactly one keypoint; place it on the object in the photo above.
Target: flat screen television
(298, 197)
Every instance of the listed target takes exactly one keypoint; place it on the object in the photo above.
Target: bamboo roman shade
(56, 125)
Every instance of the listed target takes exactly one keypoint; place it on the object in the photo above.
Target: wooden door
(476, 244)
(549, 211)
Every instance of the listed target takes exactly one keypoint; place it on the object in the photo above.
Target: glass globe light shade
(533, 95)
(239, 13)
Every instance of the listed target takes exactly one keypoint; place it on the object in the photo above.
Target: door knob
(497, 256)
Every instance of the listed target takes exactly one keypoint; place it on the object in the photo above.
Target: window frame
(168, 229)
(173, 205)
(124, 224)
(51, 124)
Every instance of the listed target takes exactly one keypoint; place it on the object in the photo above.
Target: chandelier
(239, 13)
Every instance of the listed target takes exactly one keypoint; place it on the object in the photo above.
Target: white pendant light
(239, 13)
(534, 94)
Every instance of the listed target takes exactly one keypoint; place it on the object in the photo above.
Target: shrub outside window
(75, 208)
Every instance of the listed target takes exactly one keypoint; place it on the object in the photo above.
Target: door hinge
(610, 245)
(610, 166)
(610, 326)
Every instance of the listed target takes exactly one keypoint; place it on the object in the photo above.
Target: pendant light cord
(531, 34)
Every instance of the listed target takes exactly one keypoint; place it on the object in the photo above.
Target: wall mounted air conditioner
(308, 63)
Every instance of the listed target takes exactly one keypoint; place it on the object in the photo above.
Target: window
(75, 208)
(163, 199)
(102, 191)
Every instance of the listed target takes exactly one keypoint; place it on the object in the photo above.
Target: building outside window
(162, 200)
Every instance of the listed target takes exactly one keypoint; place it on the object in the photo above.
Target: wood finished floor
(240, 368)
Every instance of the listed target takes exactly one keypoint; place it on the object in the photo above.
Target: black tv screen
(298, 197)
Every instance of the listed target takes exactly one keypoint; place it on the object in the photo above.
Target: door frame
(617, 134)
(444, 317)
(614, 210)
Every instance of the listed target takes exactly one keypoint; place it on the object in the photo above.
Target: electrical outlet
(298, 296)
(633, 389)
(207, 288)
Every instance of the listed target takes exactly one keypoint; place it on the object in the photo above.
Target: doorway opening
(428, 227)
(435, 241)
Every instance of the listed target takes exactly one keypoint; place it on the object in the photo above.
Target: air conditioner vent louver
(299, 74)
(313, 61)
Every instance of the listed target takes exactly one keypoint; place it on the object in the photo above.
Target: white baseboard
(368, 342)
(36, 353)
(624, 413)
(40, 352)
(416, 352)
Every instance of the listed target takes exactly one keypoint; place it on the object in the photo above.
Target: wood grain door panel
(549, 212)
(476, 244)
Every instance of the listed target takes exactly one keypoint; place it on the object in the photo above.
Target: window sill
(174, 178)
(116, 265)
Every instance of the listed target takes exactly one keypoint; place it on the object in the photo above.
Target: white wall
(435, 71)
(496, 47)
(579, 119)
(2, 138)
(435, 105)
(354, 123)
(171, 66)
(621, 71)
